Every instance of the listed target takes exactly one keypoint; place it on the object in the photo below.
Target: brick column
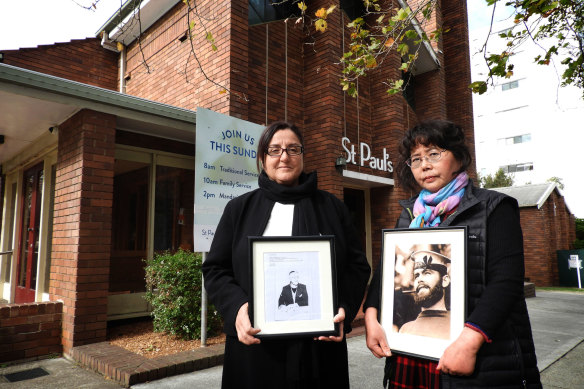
(457, 70)
(323, 101)
(82, 226)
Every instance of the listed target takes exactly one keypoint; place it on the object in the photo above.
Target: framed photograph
(423, 289)
(293, 286)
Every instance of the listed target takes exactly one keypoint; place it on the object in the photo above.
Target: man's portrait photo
(422, 297)
(292, 285)
(293, 294)
(423, 289)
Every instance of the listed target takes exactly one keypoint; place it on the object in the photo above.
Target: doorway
(28, 254)
(355, 201)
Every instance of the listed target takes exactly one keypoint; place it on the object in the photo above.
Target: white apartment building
(527, 124)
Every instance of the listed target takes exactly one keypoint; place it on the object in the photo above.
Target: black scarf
(305, 220)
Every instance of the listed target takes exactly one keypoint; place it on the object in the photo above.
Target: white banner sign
(225, 167)
(574, 262)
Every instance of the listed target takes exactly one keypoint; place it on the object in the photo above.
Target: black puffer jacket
(495, 300)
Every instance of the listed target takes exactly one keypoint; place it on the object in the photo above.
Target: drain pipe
(122, 67)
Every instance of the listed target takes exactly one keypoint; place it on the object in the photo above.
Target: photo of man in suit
(293, 294)
(431, 294)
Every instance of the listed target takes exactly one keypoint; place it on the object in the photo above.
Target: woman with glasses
(495, 348)
(287, 203)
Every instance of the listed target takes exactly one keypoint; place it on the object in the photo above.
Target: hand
(375, 335)
(339, 318)
(460, 357)
(245, 332)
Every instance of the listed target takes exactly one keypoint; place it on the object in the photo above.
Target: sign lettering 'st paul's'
(365, 158)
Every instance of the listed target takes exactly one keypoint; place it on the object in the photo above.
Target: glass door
(27, 260)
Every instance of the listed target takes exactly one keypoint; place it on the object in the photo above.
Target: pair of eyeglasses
(276, 151)
(432, 157)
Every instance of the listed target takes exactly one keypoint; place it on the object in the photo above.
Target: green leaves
(174, 284)
(498, 180)
(211, 40)
(389, 30)
(543, 21)
(479, 87)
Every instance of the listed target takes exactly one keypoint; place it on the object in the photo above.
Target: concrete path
(557, 320)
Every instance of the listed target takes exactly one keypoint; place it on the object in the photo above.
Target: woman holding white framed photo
(495, 348)
(287, 203)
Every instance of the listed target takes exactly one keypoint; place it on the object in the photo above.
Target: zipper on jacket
(411, 214)
(519, 356)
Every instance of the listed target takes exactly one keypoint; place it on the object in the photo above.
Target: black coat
(494, 301)
(286, 297)
(282, 363)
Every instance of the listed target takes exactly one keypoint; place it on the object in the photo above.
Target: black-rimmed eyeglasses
(276, 151)
(432, 157)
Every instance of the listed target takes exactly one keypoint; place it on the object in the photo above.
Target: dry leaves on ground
(138, 337)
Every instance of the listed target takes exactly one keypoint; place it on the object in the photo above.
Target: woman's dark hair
(267, 135)
(439, 133)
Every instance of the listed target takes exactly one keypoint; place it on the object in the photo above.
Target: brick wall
(30, 331)
(266, 92)
(317, 104)
(546, 230)
(457, 71)
(162, 67)
(79, 60)
(82, 226)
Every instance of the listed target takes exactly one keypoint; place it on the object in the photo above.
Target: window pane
(263, 11)
(47, 274)
(173, 220)
(510, 85)
(129, 226)
(10, 227)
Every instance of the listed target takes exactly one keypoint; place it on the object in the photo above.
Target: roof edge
(83, 92)
(546, 194)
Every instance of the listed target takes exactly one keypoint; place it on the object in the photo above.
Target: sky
(43, 22)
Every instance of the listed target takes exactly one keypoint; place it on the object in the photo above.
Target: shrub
(579, 243)
(174, 283)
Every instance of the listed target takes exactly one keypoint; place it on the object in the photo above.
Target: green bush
(174, 283)
(579, 242)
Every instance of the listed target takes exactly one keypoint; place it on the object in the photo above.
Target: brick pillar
(457, 70)
(238, 59)
(82, 226)
(323, 101)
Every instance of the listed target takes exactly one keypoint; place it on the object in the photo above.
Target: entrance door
(355, 201)
(27, 261)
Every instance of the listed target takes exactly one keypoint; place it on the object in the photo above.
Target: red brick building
(99, 135)
(548, 226)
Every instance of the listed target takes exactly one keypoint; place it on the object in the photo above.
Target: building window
(408, 90)
(153, 208)
(518, 167)
(264, 11)
(514, 139)
(510, 85)
(353, 8)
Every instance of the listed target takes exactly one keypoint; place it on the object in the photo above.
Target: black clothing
(494, 299)
(283, 363)
(287, 298)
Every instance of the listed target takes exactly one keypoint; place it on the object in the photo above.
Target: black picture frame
(417, 322)
(273, 262)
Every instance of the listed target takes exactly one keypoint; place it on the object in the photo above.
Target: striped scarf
(430, 206)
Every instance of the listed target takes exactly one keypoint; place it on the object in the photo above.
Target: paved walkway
(557, 320)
